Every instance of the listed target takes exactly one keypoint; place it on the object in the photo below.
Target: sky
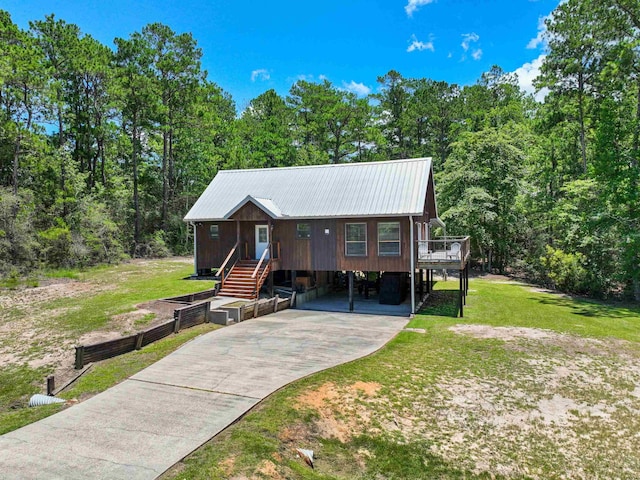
(250, 47)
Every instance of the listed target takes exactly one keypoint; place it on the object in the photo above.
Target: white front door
(262, 240)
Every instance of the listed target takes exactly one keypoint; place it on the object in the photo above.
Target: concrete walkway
(141, 427)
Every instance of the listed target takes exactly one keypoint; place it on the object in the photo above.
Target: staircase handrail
(266, 250)
(265, 272)
(224, 264)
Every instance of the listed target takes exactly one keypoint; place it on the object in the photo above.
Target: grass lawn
(527, 385)
(40, 326)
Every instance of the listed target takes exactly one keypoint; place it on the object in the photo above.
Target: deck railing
(444, 250)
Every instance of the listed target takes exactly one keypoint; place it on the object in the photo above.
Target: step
(248, 296)
(237, 289)
(239, 285)
(243, 288)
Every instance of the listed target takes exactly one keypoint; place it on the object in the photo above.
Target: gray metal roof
(390, 188)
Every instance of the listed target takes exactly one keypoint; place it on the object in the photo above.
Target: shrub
(154, 246)
(565, 271)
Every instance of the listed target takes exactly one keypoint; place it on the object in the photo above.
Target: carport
(339, 302)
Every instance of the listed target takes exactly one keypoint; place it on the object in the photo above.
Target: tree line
(102, 151)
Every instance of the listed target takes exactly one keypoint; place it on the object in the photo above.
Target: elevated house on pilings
(305, 226)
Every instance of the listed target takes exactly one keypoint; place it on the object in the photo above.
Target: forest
(104, 149)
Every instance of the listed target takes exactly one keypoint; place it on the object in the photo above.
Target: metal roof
(390, 188)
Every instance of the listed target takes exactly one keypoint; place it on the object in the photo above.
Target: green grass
(14, 413)
(63, 273)
(97, 295)
(405, 430)
(511, 304)
(133, 285)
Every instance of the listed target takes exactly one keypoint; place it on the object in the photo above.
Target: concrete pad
(339, 302)
(141, 427)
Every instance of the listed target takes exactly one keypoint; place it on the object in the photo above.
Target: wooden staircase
(239, 283)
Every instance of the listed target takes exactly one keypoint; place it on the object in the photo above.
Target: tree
(265, 128)
(324, 118)
(479, 185)
(139, 106)
(22, 85)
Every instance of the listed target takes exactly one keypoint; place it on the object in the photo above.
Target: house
(306, 223)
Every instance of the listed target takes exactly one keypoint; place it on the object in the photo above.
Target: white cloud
(477, 54)
(414, 5)
(260, 74)
(359, 89)
(539, 39)
(527, 74)
(308, 77)
(468, 38)
(418, 45)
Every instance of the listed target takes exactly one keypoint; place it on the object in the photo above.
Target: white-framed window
(356, 239)
(389, 238)
(303, 230)
(214, 232)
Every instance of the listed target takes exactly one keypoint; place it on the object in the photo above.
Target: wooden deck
(451, 253)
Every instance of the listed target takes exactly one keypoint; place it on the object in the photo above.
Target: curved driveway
(141, 427)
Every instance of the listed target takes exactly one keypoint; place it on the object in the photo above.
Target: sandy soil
(555, 398)
(27, 338)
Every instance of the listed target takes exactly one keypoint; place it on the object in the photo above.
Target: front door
(262, 240)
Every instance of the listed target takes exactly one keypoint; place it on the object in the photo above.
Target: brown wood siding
(248, 238)
(323, 246)
(250, 213)
(374, 262)
(320, 253)
(211, 252)
(295, 252)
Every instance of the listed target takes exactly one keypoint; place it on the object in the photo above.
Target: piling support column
(350, 291)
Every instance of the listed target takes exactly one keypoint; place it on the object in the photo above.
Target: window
(214, 232)
(356, 239)
(389, 238)
(303, 230)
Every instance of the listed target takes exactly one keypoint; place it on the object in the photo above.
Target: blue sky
(249, 47)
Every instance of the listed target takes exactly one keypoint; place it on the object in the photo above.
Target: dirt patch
(554, 398)
(340, 415)
(228, 465)
(34, 297)
(31, 332)
(504, 333)
(268, 469)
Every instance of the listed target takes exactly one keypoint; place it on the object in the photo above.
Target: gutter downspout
(195, 251)
(412, 264)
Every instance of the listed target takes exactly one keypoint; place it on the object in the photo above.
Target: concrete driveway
(141, 427)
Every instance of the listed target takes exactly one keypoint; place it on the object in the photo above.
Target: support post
(79, 357)
(421, 282)
(271, 282)
(195, 251)
(238, 239)
(350, 275)
(463, 276)
(466, 276)
(429, 273)
(412, 265)
(51, 385)
(460, 296)
(366, 285)
(293, 280)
